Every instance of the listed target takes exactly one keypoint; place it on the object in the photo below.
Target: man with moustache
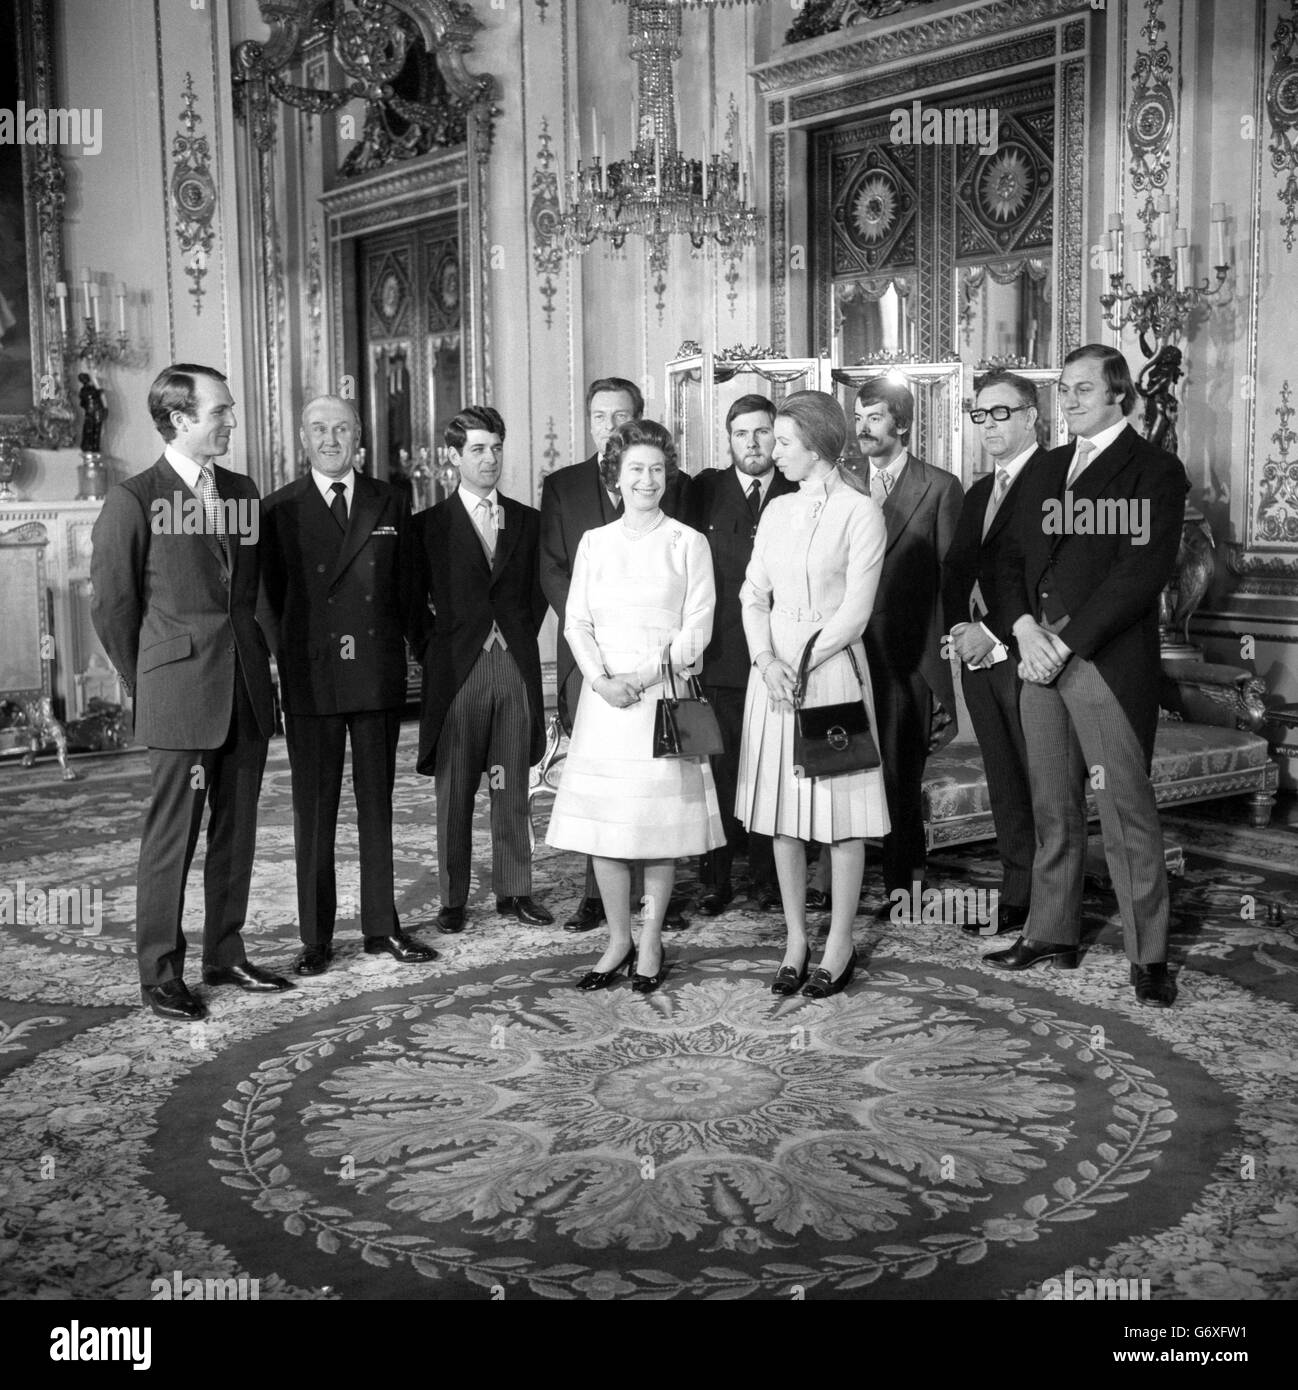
(725, 504)
(1084, 610)
(574, 500)
(477, 582)
(336, 544)
(176, 611)
(1006, 412)
(903, 639)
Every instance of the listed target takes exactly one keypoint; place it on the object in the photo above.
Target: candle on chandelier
(85, 291)
(1163, 207)
(1115, 243)
(121, 308)
(94, 303)
(1181, 243)
(1138, 241)
(707, 159)
(61, 294)
(1219, 234)
(576, 139)
(594, 134)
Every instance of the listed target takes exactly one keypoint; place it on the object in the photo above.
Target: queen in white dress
(814, 568)
(638, 584)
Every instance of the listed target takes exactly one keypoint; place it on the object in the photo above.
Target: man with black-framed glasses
(1006, 414)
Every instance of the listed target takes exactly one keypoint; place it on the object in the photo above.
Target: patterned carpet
(478, 1127)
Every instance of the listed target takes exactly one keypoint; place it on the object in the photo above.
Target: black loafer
(715, 900)
(526, 910)
(313, 960)
(820, 986)
(589, 914)
(675, 918)
(1007, 919)
(450, 919)
(1153, 984)
(1024, 954)
(172, 999)
(400, 947)
(819, 901)
(767, 897)
(246, 976)
(788, 980)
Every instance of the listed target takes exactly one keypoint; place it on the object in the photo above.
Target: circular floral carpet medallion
(496, 1132)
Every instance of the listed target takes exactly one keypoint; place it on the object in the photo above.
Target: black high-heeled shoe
(787, 979)
(820, 986)
(646, 984)
(601, 979)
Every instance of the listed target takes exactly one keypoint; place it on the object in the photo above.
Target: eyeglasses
(997, 412)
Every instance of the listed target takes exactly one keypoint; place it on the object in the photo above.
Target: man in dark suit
(1093, 543)
(903, 639)
(336, 545)
(1006, 413)
(483, 710)
(725, 504)
(175, 577)
(574, 500)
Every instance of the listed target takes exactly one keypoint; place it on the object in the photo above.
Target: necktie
(487, 525)
(213, 510)
(339, 505)
(755, 498)
(618, 507)
(880, 485)
(1084, 450)
(1001, 487)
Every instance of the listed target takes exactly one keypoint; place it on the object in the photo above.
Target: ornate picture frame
(44, 417)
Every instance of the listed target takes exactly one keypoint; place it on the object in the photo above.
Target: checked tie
(213, 510)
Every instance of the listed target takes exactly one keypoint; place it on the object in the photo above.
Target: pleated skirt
(618, 801)
(769, 798)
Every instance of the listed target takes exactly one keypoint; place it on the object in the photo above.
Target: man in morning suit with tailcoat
(903, 639)
(175, 575)
(477, 579)
(1094, 541)
(337, 548)
(725, 504)
(574, 500)
(980, 630)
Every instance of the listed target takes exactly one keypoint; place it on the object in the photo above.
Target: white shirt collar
(184, 465)
(325, 485)
(1017, 464)
(1102, 441)
(893, 469)
(471, 500)
(746, 480)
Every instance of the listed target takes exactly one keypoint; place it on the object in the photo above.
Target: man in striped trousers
(477, 568)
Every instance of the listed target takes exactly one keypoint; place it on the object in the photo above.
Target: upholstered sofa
(1207, 747)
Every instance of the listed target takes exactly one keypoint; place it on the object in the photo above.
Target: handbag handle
(800, 687)
(668, 675)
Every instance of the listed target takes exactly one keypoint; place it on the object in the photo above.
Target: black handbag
(830, 739)
(684, 726)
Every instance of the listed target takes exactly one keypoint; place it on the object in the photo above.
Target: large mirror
(34, 405)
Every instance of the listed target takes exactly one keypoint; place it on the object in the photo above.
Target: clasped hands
(780, 679)
(620, 691)
(1044, 654)
(971, 642)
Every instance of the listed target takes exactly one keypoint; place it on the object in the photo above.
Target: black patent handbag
(685, 726)
(831, 739)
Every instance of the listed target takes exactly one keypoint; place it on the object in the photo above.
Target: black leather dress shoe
(172, 999)
(400, 947)
(450, 919)
(1025, 953)
(526, 910)
(589, 914)
(820, 986)
(716, 900)
(766, 896)
(1007, 919)
(819, 901)
(313, 960)
(675, 918)
(247, 976)
(1153, 984)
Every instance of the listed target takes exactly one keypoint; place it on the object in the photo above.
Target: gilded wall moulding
(1151, 117)
(819, 17)
(911, 42)
(193, 195)
(547, 251)
(1072, 270)
(778, 243)
(1282, 111)
(1276, 521)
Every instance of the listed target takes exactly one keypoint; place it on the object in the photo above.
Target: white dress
(630, 596)
(815, 567)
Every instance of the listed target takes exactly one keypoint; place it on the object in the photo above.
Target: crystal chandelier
(657, 192)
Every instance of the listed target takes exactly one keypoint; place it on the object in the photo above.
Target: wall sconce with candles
(1160, 307)
(94, 345)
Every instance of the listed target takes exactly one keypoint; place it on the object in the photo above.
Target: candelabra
(1160, 303)
(95, 345)
(657, 191)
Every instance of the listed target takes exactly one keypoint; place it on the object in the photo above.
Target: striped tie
(213, 510)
